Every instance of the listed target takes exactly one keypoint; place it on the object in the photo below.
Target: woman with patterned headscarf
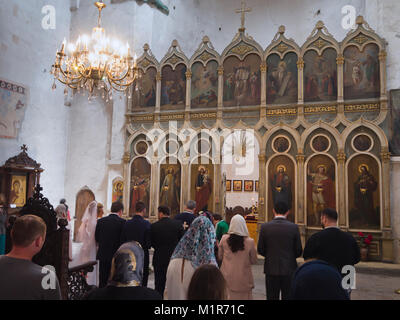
(194, 249)
(126, 277)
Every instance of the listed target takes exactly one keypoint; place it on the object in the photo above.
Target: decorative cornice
(188, 74)
(341, 156)
(158, 76)
(382, 55)
(220, 70)
(300, 64)
(263, 67)
(300, 157)
(126, 157)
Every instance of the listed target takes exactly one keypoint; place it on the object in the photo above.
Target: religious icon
(144, 94)
(364, 199)
(204, 85)
(320, 143)
(281, 144)
(320, 188)
(203, 188)
(18, 191)
(118, 191)
(173, 87)
(228, 185)
(320, 76)
(140, 184)
(282, 78)
(237, 185)
(141, 147)
(249, 185)
(362, 142)
(361, 72)
(281, 187)
(170, 186)
(242, 81)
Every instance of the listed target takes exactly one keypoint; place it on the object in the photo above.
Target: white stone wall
(27, 52)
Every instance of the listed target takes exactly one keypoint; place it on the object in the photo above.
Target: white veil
(85, 235)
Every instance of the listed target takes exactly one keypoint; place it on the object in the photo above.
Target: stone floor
(374, 281)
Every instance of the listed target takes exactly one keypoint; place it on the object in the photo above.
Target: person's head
(209, 215)
(207, 283)
(64, 202)
(329, 217)
(163, 212)
(140, 208)
(217, 218)
(321, 169)
(228, 216)
(100, 210)
(281, 209)
(197, 244)
(237, 232)
(239, 210)
(317, 280)
(28, 235)
(191, 205)
(61, 211)
(117, 207)
(127, 266)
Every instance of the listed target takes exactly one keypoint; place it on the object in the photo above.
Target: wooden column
(263, 109)
(382, 67)
(300, 212)
(340, 81)
(155, 177)
(220, 86)
(342, 220)
(387, 237)
(127, 183)
(300, 71)
(262, 192)
(158, 95)
(188, 88)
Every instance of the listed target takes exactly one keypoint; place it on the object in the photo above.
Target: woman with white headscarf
(238, 252)
(85, 235)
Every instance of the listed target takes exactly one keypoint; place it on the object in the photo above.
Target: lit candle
(134, 61)
(63, 45)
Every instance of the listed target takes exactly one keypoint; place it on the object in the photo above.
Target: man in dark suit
(138, 229)
(279, 242)
(187, 216)
(332, 245)
(108, 238)
(165, 235)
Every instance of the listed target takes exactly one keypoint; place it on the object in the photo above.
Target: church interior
(234, 104)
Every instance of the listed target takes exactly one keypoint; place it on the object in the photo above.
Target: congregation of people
(197, 256)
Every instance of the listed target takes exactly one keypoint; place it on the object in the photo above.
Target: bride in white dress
(85, 235)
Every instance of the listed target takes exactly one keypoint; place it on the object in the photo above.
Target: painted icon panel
(320, 76)
(361, 72)
(204, 85)
(321, 188)
(364, 195)
(281, 184)
(118, 191)
(170, 186)
(282, 78)
(173, 87)
(202, 186)
(145, 92)
(242, 81)
(140, 184)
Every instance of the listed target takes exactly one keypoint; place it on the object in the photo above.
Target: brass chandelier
(95, 62)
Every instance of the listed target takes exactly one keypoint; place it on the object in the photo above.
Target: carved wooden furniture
(19, 170)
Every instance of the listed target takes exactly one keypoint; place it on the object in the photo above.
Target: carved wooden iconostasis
(319, 113)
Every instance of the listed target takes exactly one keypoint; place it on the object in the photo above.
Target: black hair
(236, 242)
(140, 206)
(330, 213)
(164, 210)
(217, 216)
(281, 207)
(117, 207)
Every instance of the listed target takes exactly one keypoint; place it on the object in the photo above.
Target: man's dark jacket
(279, 242)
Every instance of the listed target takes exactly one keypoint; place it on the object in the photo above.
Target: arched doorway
(83, 198)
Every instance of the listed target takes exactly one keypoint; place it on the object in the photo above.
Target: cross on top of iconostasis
(243, 10)
(24, 148)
